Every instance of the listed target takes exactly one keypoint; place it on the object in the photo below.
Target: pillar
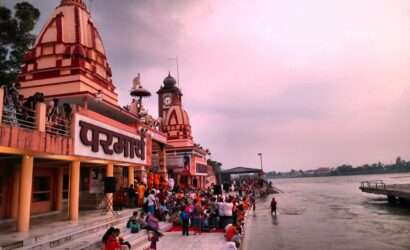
(16, 191)
(1, 102)
(162, 159)
(41, 116)
(74, 196)
(60, 184)
(109, 173)
(178, 181)
(26, 184)
(131, 175)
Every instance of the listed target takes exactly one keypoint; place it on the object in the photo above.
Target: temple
(186, 161)
(62, 132)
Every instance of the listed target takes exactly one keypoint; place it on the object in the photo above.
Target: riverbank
(329, 213)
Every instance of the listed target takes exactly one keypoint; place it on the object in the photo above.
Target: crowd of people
(20, 111)
(191, 210)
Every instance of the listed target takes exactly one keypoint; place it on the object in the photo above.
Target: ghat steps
(86, 235)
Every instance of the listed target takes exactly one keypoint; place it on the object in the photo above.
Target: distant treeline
(399, 166)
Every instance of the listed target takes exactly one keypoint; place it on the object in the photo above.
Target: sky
(309, 84)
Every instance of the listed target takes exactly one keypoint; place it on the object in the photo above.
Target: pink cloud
(308, 83)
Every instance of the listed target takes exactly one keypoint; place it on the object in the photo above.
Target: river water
(329, 213)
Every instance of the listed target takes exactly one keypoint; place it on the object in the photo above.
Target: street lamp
(260, 157)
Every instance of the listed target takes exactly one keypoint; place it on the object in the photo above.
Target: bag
(135, 227)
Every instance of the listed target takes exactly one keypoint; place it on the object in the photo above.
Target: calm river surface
(329, 213)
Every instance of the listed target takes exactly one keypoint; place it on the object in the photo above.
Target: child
(134, 226)
(154, 238)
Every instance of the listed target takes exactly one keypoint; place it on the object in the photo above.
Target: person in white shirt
(228, 207)
(171, 183)
(151, 202)
(221, 212)
(192, 195)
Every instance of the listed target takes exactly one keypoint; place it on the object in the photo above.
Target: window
(84, 179)
(184, 180)
(65, 186)
(1, 190)
(41, 188)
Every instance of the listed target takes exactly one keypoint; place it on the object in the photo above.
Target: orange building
(54, 155)
(186, 161)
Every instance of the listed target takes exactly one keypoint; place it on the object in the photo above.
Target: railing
(376, 184)
(58, 126)
(23, 117)
(26, 118)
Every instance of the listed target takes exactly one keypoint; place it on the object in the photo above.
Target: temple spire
(75, 2)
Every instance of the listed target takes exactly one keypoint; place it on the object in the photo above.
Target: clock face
(167, 100)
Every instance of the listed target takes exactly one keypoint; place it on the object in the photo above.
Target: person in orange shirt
(150, 181)
(156, 180)
(240, 214)
(245, 203)
(141, 191)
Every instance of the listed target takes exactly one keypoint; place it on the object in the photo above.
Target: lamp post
(260, 157)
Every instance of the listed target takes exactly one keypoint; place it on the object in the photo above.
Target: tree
(15, 39)
(399, 161)
(216, 167)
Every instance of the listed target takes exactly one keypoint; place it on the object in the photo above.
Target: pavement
(204, 241)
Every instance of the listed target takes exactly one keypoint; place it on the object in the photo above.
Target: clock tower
(175, 120)
(168, 95)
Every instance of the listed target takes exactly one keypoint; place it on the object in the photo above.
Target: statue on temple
(138, 92)
(136, 83)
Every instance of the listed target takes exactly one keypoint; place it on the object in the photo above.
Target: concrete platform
(399, 191)
(204, 241)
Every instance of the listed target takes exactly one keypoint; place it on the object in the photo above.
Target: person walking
(184, 216)
(153, 238)
(253, 202)
(131, 196)
(273, 204)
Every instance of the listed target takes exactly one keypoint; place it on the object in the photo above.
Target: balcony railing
(58, 126)
(24, 119)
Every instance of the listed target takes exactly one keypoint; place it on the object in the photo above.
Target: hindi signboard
(99, 140)
(201, 168)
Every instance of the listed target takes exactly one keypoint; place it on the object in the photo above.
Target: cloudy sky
(309, 84)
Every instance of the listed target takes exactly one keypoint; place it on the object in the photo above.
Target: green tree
(15, 39)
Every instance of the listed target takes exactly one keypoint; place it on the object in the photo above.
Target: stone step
(138, 241)
(141, 246)
(66, 235)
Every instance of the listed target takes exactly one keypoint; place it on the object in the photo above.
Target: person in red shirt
(110, 241)
(230, 232)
